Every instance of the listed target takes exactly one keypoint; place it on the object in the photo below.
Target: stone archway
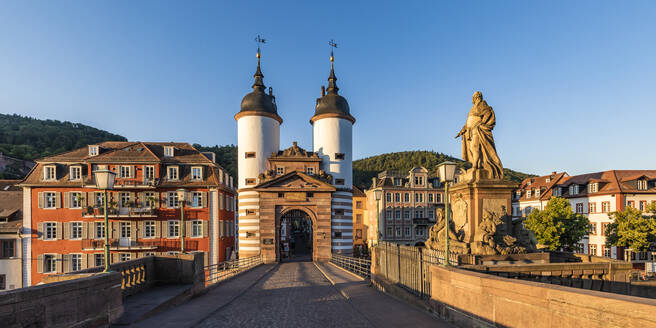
(296, 233)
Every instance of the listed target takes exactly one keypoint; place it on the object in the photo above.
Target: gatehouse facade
(294, 202)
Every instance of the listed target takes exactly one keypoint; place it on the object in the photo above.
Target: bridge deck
(295, 294)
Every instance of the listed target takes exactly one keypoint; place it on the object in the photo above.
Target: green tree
(557, 226)
(632, 228)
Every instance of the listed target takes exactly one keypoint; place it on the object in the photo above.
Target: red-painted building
(64, 215)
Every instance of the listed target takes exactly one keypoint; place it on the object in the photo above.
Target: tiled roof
(9, 185)
(357, 192)
(10, 203)
(543, 183)
(613, 181)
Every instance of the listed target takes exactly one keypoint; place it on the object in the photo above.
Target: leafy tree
(557, 226)
(226, 156)
(632, 228)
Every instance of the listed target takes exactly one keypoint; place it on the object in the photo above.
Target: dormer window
(642, 185)
(280, 170)
(573, 189)
(419, 181)
(196, 173)
(547, 180)
(172, 173)
(309, 171)
(557, 191)
(528, 183)
(397, 181)
(593, 187)
(49, 173)
(93, 150)
(537, 193)
(528, 193)
(168, 151)
(518, 194)
(75, 173)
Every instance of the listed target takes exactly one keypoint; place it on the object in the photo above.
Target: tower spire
(258, 84)
(332, 79)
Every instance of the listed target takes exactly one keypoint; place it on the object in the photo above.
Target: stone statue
(436, 236)
(477, 141)
(489, 241)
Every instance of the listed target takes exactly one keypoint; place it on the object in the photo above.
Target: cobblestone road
(294, 294)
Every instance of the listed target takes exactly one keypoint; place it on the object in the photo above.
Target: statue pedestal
(476, 196)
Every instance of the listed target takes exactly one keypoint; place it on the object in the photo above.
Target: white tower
(332, 135)
(258, 129)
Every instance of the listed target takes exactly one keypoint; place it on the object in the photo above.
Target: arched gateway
(296, 238)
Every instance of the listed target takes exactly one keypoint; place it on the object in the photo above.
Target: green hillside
(367, 168)
(28, 138)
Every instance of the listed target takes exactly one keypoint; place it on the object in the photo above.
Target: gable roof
(275, 184)
(610, 182)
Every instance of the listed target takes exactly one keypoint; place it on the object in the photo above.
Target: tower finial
(332, 79)
(258, 84)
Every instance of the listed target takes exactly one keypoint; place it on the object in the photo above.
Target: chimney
(553, 173)
(373, 182)
(323, 90)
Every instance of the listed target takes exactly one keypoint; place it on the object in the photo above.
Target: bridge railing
(359, 266)
(409, 266)
(221, 271)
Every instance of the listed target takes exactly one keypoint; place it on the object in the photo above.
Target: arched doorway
(296, 235)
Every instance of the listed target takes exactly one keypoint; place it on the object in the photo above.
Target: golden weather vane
(333, 46)
(259, 40)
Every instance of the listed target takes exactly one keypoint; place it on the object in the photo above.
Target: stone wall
(92, 300)
(469, 299)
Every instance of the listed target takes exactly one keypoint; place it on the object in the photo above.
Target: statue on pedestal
(477, 141)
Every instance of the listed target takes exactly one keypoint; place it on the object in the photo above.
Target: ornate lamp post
(105, 181)
(378, 194)
(446, 171)
(182, 198)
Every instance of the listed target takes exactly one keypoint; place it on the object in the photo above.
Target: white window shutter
(57, 199)
(204, 228)
(40, 199)
(60, 231)
(39, 263)
(40, 232)
(85, 230)
(67, 200)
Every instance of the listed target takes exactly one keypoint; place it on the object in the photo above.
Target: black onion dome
(257, 101)
(332, 104)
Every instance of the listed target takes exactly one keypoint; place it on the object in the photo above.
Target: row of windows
(396, 231)
(125, 172)
(280, 170)
(593, 228)
(75, 230)
(419, 197)
(51, 263)
(149, 199)
(407, 214)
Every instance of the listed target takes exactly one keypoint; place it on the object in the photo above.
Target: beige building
(360, 227)
(407, 208)
(11, 215)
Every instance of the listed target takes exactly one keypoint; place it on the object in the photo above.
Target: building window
(537, 193)
(406, 197)
(358, 218)
(398, 231)
(397, 197)
(149, 173)
(50, 230)
(149, 229)
(172, 173)
(528, 193)
(75, 200)
(124, 199)
(76, 230)
(358, 233)
(419, 197)
(3, 282)
(358, 204)
(49, 263)
(250, 154)
(593, 249)
(397, 214)
(125, 171)
(388, 197)
(168, 151)
(397, 181)
(593, 228)
(642, 184)
(579, 207)
(604, 228)
(8, 248)
(605, 207)
(125, 229)
(557, 191)
(196, 199)
(439, 198)
(419, 214)
(196, 173)
(339, 212)
(76, 262)
(339, 155)
(592, 207)
(250, 181)
(99, 260)
(573, 189)
(630, 204)
(124, 257)
(309, 171)
(173, 201)
(430, 198)
(593, 187)
(100, 230)
(280, 170)
(196, 228)
(419, 181)
(607, 251)
(309, 194)
(93, 150)
(149, 199)
(99, 198)
(75, 173)
(281, 195)
(643, 205)
(407, 231)
(174, 229)
(388, 214)
(406, 214)
(339, 181)
(50, 200)
(389, 232)
(49, 173)
(431, 213)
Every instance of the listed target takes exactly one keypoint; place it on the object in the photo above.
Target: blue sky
(571, 82)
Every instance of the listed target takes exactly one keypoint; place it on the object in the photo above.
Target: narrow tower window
(339, 155)
(250, 154)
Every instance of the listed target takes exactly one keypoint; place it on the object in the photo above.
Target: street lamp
(105, 181)
(378, 194)
(182, 197)
(446, 171)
